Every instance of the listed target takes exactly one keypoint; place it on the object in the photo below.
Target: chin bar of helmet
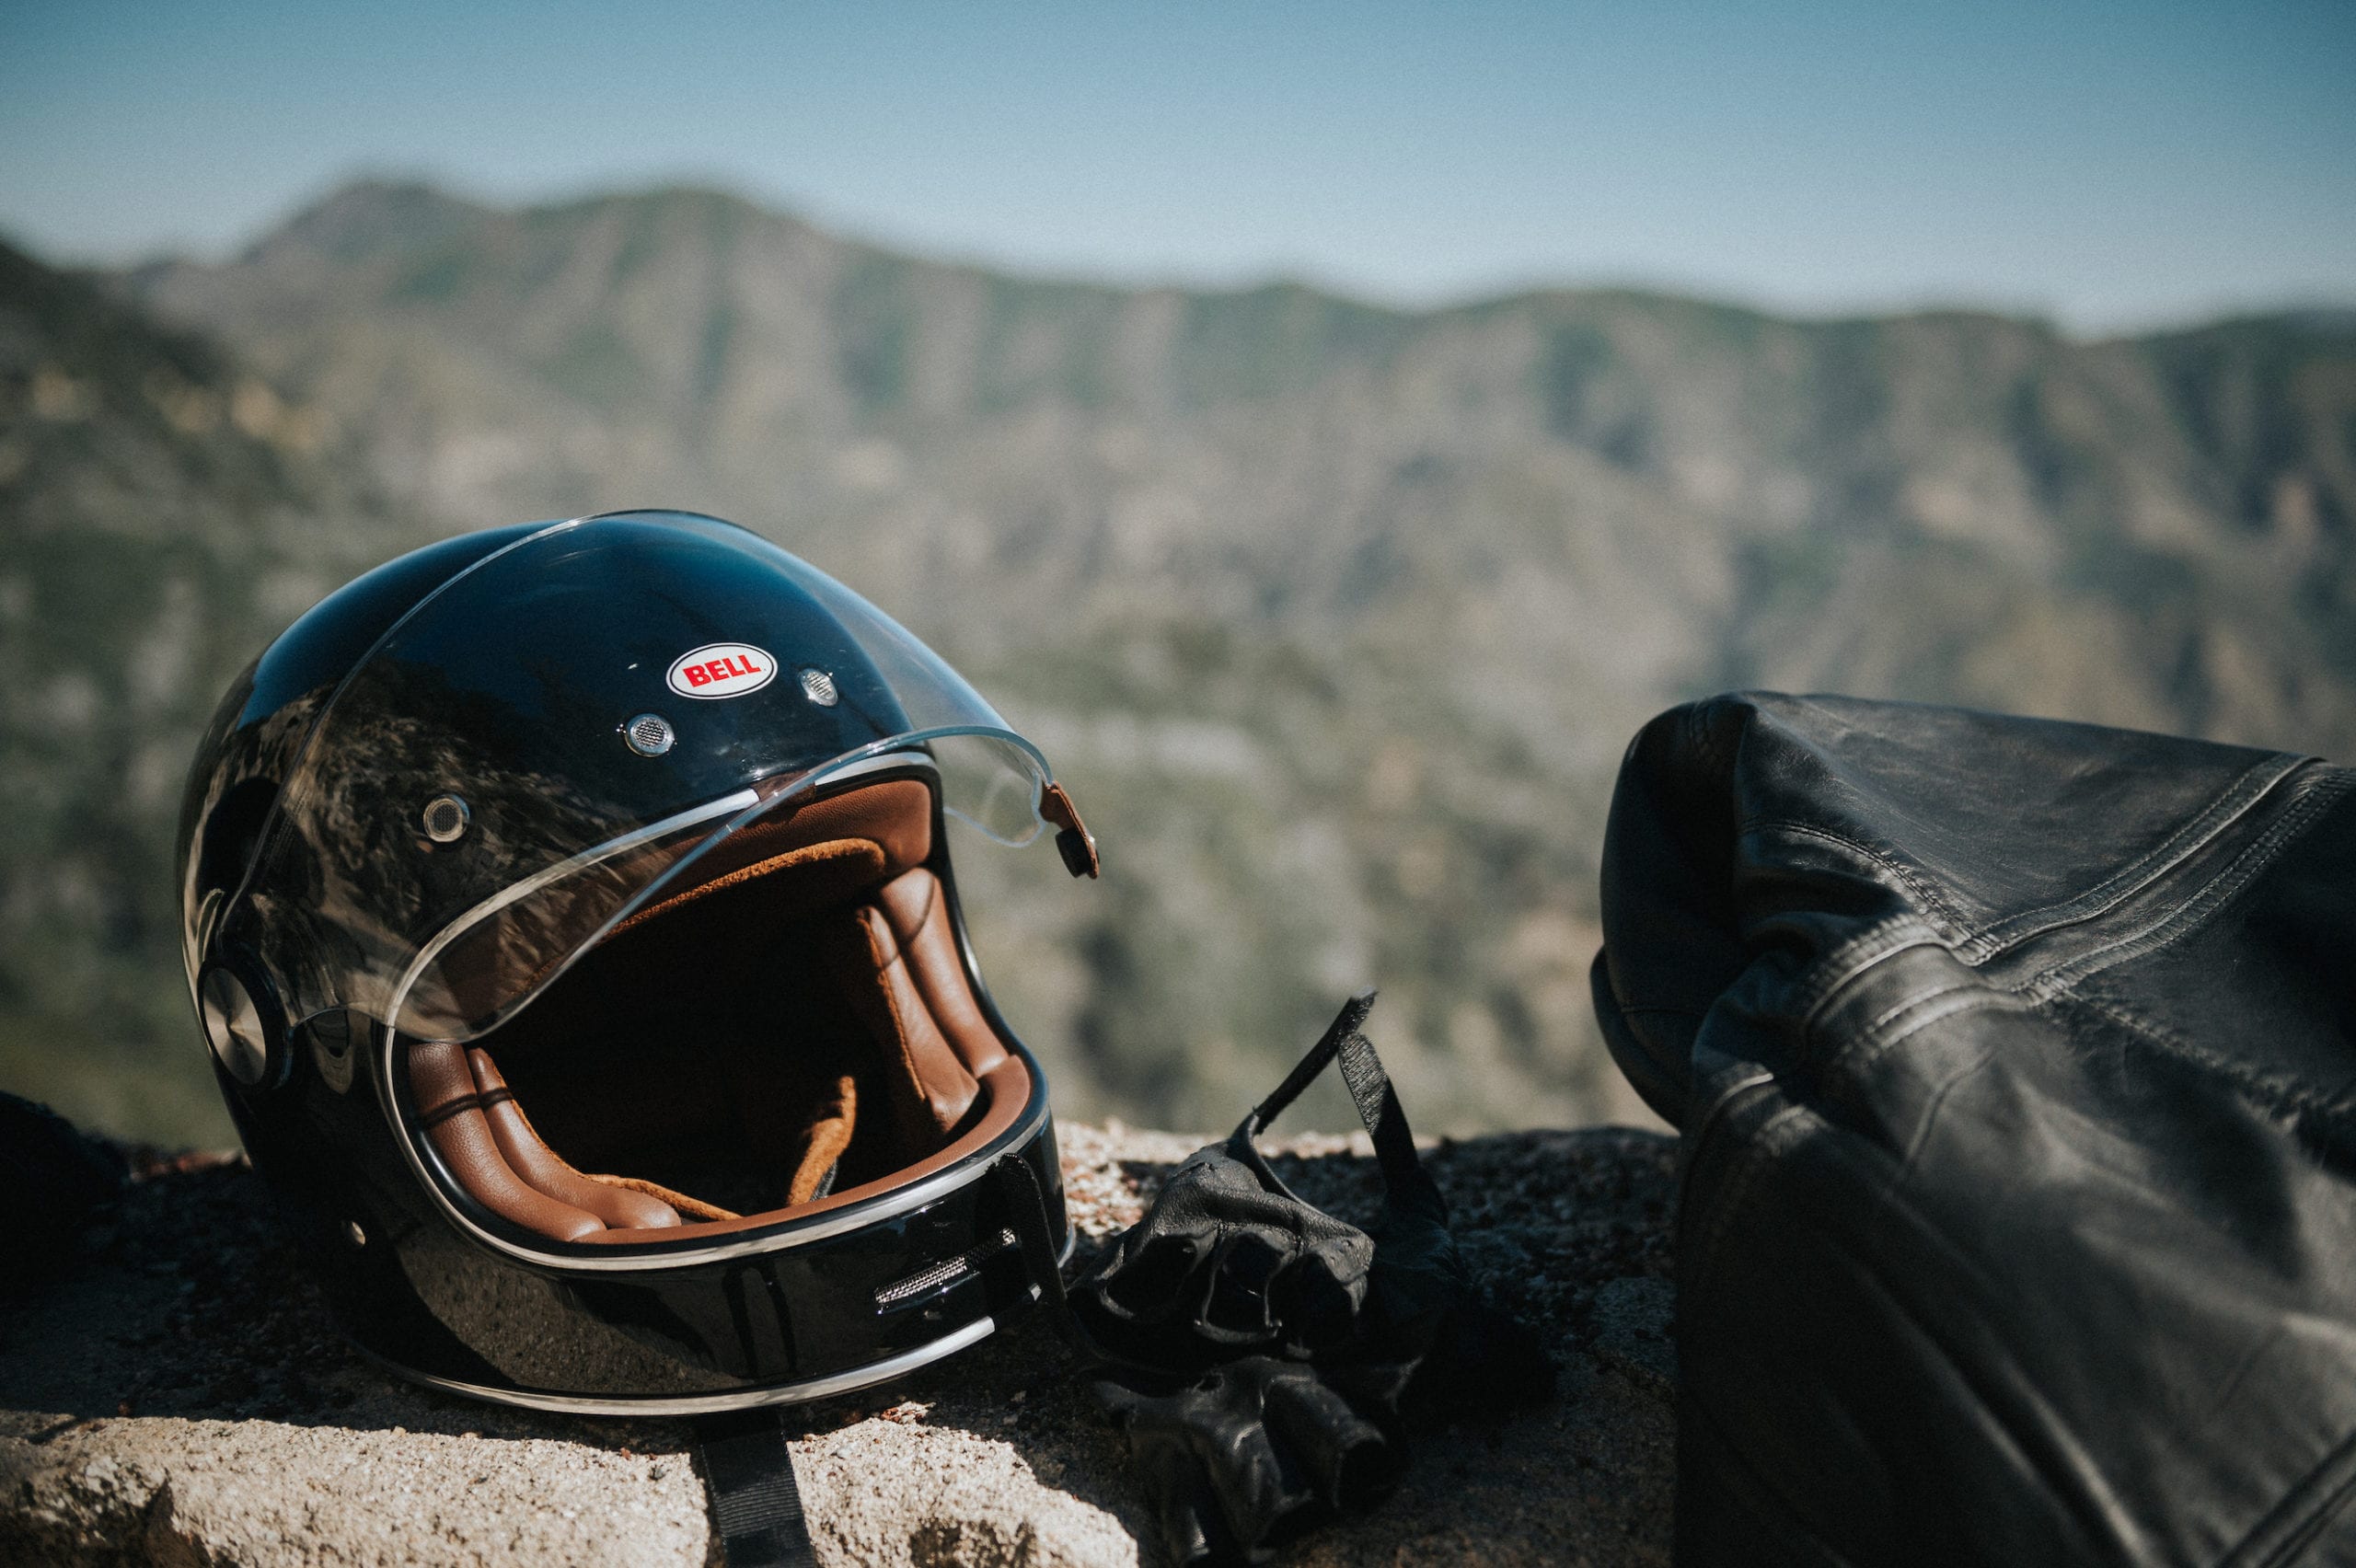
(806, 1392)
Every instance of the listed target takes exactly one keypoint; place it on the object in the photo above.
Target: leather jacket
(2016, 1065)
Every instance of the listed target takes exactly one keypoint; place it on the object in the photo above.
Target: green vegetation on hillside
(1336, 617)
(161, 515)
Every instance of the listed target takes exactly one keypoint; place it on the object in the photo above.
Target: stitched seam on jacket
(2279, 1095)
(1832, 972)
(2197, 833)
(1890, 1015)
(2298, 1518)
(2174, 925)
(1829, 973)
(1878, 1037)
(2043, 984)
(1839, 967)
(1924, 892)
(1740, 1180)
(1975, 947)
(1690, 1142)
(1873, 1040)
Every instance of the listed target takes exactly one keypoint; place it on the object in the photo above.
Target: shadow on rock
(183, 1371)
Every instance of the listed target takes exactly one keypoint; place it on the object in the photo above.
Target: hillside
(162, 514)
(1337, 616)
(1682, 481)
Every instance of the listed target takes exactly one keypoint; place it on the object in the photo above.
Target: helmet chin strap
(748, 1460)
(755, 1502)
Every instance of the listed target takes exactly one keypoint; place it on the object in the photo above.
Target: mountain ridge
(421, 193)
(1337, 616)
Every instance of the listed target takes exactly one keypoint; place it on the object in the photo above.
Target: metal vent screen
(444, 818)
(942, 1272)
(650, 734)
(819, 687)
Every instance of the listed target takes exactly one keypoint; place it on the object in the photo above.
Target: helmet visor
(560, 734)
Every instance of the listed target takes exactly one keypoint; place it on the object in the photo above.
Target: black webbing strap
(1026, 1215)
(1338, 1034)
(756, 1503)
(1385, 1119)
(1370, 1091)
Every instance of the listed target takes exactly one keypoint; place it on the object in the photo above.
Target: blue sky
(2113, 166)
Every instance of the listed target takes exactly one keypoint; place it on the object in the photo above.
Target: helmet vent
(819, 687)
(445, 819)
(650, 734)
(947, 1271)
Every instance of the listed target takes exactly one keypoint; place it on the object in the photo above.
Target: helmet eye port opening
(790, 1030)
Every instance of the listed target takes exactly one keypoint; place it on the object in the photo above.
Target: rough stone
(179, 1397)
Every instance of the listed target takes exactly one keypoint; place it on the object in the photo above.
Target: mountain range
(1336, 617)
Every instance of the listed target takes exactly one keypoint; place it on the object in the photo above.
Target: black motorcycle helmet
(568, 912)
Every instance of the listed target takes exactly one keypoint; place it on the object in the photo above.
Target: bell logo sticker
(722, 669)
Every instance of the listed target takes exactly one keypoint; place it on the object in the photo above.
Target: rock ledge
(179, 1397)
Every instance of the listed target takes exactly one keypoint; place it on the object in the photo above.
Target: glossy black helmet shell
(619, 744)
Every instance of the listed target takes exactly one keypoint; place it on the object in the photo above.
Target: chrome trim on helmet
(875, 758)
(657, 1255)
(654, 1255)
(849, 1382)
(859, 1378)
(741, 801)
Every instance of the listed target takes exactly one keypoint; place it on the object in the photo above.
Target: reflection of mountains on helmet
(598, 1002)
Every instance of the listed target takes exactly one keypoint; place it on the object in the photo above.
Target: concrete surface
(180, 1397)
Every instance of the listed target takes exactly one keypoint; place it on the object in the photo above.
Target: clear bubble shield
(559, 733)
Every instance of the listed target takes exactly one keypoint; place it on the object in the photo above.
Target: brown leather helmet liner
(797, 1022)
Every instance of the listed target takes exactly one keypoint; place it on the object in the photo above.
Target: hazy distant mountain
(1338, 617)
(161, 515)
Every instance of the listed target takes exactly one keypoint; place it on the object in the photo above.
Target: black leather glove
(1233, 1457)
(1268, 1358)
(1227, 1263)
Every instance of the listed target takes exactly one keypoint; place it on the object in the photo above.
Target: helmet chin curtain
(791, 1026)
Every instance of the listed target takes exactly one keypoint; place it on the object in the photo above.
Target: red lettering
(738, 670)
